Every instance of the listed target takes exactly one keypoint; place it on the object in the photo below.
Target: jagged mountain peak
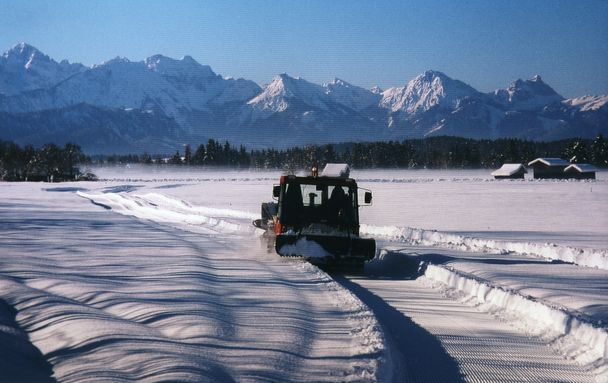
(376, 89)
(427, 90)
(337, 81)
(184, 67)
(589, 103)
(184, 93)
(118, 60)
(351, 96)
(535, 86)
(22, 49)
(25, 55)
(527, 94)
(439, 82)
(283, 85)
(24, 68)
(285, 91)
(430, 75)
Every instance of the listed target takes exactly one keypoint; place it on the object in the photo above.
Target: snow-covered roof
(550, 162)
(582, 168)
(508, 170)
(336, 170)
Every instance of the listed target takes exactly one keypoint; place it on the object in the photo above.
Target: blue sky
(486, 44)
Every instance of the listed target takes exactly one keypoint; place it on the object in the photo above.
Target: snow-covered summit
(116, 60)
(527, 94)
(186, 67)
(24, 54)
(283, 90)
(376, 90)
(207, 104)
(177, 88)
(427, 90)
(351, 96)
(24, 68)
(588, 103)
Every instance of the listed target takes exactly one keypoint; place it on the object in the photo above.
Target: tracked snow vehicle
(317, 217)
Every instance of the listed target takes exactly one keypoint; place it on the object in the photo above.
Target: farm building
(549, 168)
(581, 171)
(510, 171)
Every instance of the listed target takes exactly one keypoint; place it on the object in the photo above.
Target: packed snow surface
(157, 274)
(577, 338)
(162, 292)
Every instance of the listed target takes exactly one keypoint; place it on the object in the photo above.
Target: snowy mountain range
(160, 103)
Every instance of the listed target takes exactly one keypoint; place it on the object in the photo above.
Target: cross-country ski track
(124, 284)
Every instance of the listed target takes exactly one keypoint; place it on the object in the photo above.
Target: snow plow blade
(326, 250)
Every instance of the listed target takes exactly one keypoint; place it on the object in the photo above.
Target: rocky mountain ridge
(192, 103)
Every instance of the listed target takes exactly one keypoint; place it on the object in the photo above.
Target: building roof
(509, 170)
(582, 168)
(336, 170)
(550, 162)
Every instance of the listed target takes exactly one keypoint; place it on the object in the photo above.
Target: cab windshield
(313, 203)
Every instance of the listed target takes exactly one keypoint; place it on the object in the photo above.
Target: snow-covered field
(157, 274)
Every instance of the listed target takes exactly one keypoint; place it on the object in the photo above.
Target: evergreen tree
(71, 156)
(176, 159)
(199, 155)
(50, 157)
(146, 158)
(329, 154)
(577, 153)
(599, 151)
(212, 154)
(187, 154)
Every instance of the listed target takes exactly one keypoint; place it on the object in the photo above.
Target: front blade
(325, 247)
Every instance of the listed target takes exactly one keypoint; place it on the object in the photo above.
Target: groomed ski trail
(106, 296)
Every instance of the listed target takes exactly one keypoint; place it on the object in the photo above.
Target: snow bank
(163, 209)
(597, 258)
(570, 334)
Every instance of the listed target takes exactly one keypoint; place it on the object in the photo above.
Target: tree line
(55, 163)
(431, 153)
(49, 163)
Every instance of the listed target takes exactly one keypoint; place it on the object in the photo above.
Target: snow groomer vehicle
(316, 217)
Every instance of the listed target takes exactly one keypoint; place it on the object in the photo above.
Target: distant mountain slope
(24, 68)
(527, 95)
(174, 87)
(96, 130)
(428, 90)
(168, 102)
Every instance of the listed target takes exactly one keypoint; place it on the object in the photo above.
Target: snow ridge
(204, 104)
(430, 89)
(571, 335)
(158, 208)
(24, 68)
(588, 103)
(527, 95)
(352, 96)
(284, 90)
(583, 257)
